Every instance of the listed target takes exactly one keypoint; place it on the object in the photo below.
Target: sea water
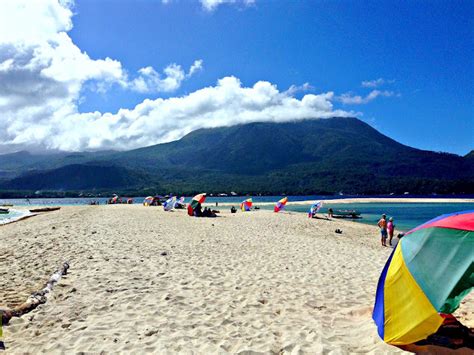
(406, 215)
(12, 215)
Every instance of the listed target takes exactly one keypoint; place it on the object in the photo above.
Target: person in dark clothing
(198, 210)
(330, 213)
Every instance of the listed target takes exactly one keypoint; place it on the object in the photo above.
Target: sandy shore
(145, 280)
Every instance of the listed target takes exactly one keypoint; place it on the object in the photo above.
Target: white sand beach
(145, 280)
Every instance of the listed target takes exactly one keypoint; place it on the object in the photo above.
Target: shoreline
(24, 215)
(356, 200)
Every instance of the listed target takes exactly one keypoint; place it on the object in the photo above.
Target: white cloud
(149, 81)
(162, 120)
(33, 21)
(35, 48)
(42, 74)
(350, 99)
(211, 5)
(293, 89)
(376, 83)
(197, 66)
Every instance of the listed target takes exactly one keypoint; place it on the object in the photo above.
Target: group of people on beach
(386, 230)
(207, 212)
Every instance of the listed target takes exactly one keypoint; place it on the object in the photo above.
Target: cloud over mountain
(162, 120)
(42, 73)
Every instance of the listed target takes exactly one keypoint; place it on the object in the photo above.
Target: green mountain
(305, 157)
(77, 177)
(11, 165)
(470, 156)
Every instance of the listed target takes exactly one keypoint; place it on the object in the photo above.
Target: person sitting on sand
(233, 210)
(390, 230)
(383, 229)
(208, 213)
(198, 211)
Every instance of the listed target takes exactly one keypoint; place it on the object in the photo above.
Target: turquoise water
(11, 215)
(406, 215)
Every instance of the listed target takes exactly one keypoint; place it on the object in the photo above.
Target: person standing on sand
(390, 230)
(383, 229)
(330, 213)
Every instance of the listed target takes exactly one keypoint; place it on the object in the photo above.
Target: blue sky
(421, 50)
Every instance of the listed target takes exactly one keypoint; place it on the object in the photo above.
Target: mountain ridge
(309, 156)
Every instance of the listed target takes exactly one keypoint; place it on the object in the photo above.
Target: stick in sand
(36, 298)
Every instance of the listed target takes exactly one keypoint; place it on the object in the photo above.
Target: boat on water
(352, 214)
(45, 209)
(4, 211)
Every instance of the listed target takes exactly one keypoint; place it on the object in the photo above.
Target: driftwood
(36, 298)
(45, 209)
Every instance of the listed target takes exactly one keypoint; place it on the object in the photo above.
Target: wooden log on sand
(36, 298)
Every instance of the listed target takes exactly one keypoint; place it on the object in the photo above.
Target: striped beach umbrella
(246, 205)
(280, 204)
(428, 274)
(197, 200)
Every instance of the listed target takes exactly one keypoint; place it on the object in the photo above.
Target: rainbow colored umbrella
(246, 205)
(280, 204)
(429, 272)
(315, 208)
(195, 202)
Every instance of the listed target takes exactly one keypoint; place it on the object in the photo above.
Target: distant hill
(304, 157)
(470, 155)
(76, 177)
(13, 164)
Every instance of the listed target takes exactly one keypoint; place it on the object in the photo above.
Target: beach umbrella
(169, 204)
(428, 274)
(315, 208)
(246, 205)
(148, 200)
(280, 204)
(195, 202)
(180, 203)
